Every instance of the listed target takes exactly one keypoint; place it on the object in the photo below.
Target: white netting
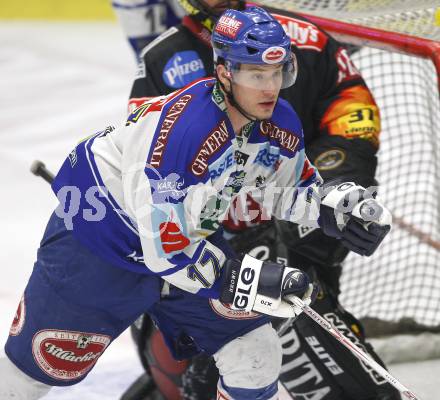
(414, 17)
(402, 280)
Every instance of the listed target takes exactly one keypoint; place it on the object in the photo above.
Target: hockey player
(137, 228)
(144, 20)
(341, 129)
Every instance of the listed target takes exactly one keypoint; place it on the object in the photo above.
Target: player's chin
(265, 110)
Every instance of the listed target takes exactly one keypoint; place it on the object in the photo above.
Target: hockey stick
(39, 169)
(414, 231)
(355, 350)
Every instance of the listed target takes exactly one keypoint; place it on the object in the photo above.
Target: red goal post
(380, 39)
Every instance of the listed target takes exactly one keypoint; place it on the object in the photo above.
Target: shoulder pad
(169, 32)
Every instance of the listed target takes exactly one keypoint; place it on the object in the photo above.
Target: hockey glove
(351, 213)
(264, 287)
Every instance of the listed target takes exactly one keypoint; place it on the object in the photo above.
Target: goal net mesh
(402, 280)
(400, 283)
(412, 17)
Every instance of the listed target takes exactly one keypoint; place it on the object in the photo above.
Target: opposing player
(137, 228)
(341, 129)
(145, 20)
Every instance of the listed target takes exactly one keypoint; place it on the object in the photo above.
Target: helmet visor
(265, 77)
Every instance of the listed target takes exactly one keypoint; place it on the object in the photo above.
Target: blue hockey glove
(351, 213)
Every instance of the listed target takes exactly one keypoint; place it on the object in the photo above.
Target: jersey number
(155, 16)
(207, 259)
(360, 115)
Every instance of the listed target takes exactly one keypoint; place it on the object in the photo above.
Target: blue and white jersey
(147, 196)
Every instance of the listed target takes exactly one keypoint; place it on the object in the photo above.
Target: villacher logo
(19, 318)
(67, 355)
(227, 312)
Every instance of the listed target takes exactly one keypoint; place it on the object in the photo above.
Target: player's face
(256, 88)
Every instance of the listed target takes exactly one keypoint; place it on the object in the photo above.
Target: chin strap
(233, 102)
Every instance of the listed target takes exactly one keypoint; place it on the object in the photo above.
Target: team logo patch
(183, 68)
(330, 159)
(225, 310)
(172, 237)
(169, 187)
(19, 318)
(67, 355)
(228, 26)
(274, 55)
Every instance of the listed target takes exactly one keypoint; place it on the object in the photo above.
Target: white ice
(60, 82)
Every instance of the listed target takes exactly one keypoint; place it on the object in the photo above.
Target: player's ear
(223, 76)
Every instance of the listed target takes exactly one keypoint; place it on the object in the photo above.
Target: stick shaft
(39, 169)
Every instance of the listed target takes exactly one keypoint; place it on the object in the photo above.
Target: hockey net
(398, 288)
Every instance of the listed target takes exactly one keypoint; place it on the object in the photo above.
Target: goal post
(398, 288)
(380, 39)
